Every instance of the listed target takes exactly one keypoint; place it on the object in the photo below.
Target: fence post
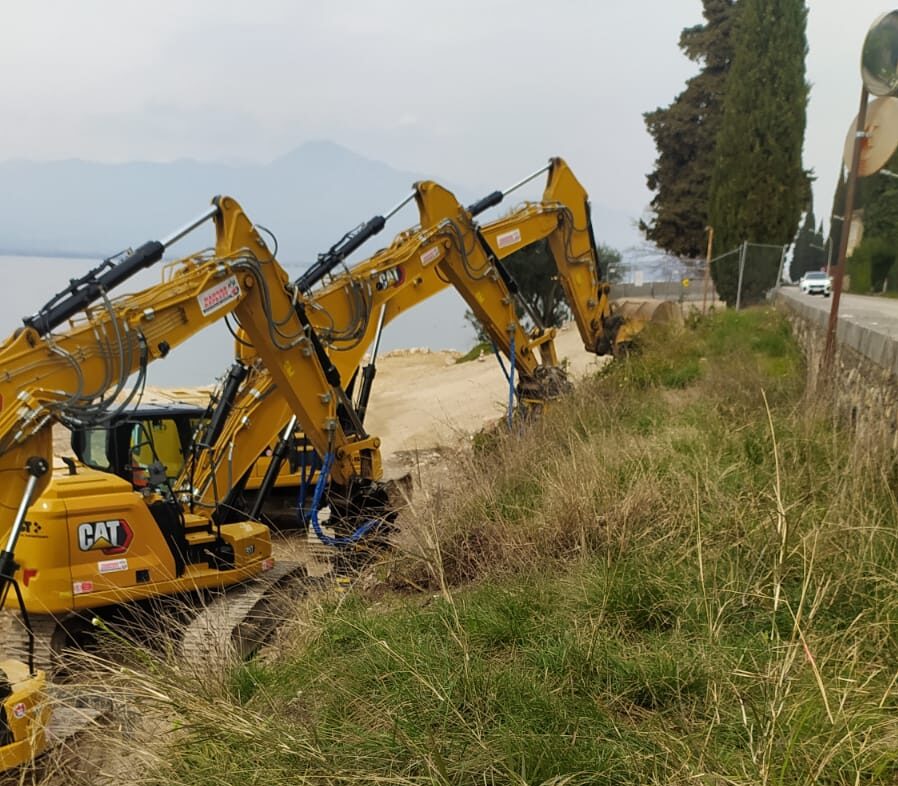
(742, 252)
(707, 270)
(779, 275)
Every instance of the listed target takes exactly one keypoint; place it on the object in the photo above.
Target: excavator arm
(491, 294)
(562, 218)
(346, 314)
(72, 358)
(447, 248)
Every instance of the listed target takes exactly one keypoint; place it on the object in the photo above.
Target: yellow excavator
(350, 310)
(89, 540)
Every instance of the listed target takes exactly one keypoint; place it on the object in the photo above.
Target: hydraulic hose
(326, 539)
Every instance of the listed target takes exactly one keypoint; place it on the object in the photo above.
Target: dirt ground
(422, 400)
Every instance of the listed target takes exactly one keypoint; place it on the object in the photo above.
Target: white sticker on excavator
(112, 565)
(219, 295)
(509, 238)
(431, 254)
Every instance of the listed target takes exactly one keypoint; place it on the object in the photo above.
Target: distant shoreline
(5, 252)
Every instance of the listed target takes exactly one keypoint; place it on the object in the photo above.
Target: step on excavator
(89, 540)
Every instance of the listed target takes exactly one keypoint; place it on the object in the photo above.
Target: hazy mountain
(308, 198)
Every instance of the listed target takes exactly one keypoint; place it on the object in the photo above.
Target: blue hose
(509, 376)
(501, 362)
(327, 540)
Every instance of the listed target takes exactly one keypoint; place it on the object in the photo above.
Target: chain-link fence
(745, 274)
(739, 277)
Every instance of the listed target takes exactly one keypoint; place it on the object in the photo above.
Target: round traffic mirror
(879, 57)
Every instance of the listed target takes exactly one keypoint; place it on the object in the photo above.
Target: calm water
(28, 282)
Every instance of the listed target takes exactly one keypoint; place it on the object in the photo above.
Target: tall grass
(685, 573)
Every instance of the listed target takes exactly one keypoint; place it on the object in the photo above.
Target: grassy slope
(686, 573)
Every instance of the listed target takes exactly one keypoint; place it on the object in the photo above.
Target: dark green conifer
(685, 134)
(759, 187)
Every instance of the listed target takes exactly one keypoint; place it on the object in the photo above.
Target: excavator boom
(447, 248)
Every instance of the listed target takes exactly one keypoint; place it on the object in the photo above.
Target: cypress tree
(802, 248)
(759, 187)
(685, 133)
(808, 253)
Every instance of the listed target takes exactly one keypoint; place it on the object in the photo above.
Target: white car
(816, 282)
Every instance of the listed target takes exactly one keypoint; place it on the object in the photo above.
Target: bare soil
(425, 400)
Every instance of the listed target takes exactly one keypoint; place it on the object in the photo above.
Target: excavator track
(73, 713)
(233, 626)
(229, 627)
(49, 638)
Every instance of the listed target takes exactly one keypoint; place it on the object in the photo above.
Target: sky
(471, 92)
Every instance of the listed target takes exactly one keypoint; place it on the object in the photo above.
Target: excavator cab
(146, 445)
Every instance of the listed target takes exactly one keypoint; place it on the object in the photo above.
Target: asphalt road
(879, 314)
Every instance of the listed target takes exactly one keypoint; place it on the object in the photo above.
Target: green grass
(683, 574)
(482, 348)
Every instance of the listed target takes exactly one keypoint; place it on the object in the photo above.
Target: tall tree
(759, 187)
(685, 134)
(808, 253)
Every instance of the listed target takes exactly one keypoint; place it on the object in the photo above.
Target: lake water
(29, 282)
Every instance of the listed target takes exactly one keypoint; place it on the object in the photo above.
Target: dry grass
(684, 573)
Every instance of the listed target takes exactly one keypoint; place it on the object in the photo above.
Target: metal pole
(742, 253)
(175, 236)
(707, 271)
(527, 179)
(393, 211)
(860, 135)
(20, 514)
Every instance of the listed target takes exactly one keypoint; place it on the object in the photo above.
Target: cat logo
(111, 537)
(390, 278)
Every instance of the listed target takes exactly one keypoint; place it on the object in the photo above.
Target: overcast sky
(472, 92)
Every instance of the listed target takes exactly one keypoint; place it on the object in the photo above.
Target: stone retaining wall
(865, 370)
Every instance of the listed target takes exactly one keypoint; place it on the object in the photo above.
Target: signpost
(869, 145)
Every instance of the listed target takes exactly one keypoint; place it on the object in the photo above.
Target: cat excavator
(91, 540)
(447, 248)
(88, 540)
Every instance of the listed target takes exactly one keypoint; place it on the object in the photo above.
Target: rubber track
(46, 634)
(237, 623)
